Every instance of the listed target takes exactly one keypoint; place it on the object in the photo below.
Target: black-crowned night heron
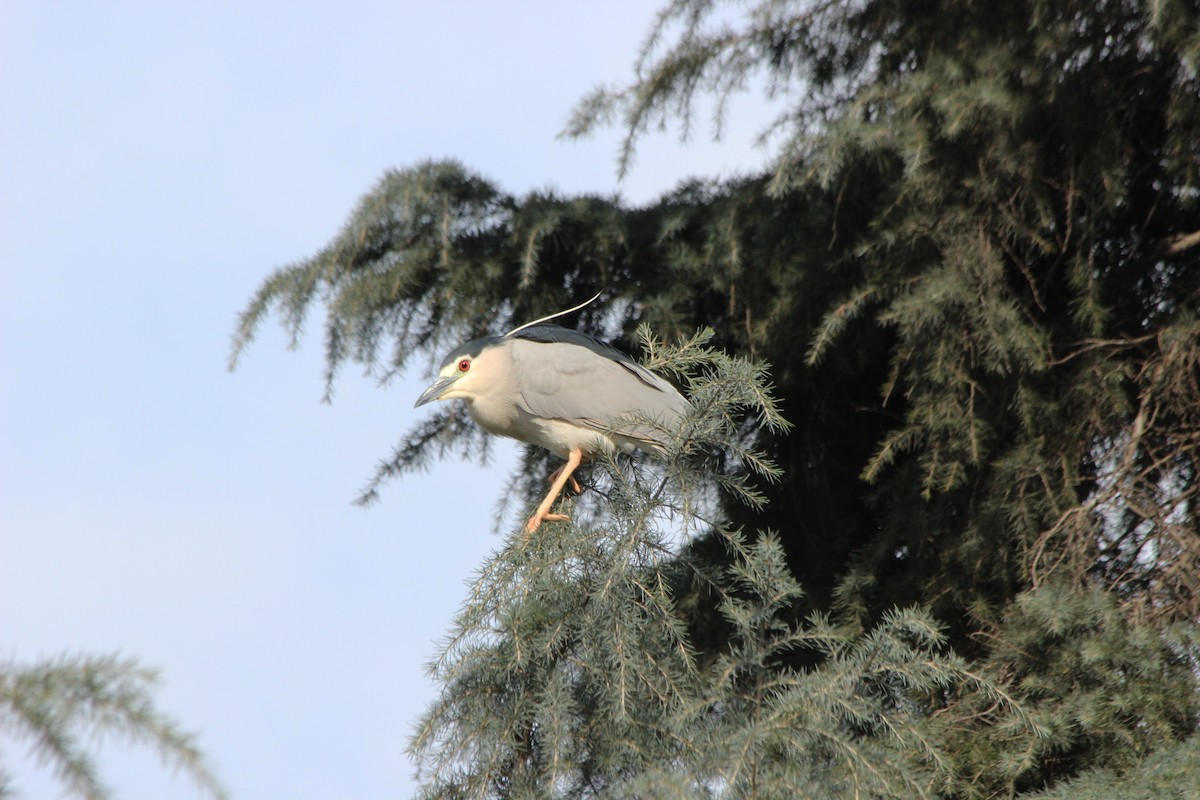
(560, 389)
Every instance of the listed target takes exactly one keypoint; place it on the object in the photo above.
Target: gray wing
(587, 385)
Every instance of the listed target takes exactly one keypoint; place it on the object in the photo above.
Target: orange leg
(574, 484)
(560, 480)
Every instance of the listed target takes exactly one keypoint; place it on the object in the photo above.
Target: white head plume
(555, 315)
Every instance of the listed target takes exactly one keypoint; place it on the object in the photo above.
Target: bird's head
(466, 372)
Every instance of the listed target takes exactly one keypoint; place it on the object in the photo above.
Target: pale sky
(157, 161)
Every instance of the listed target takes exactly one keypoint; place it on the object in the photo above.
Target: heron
(563, 390)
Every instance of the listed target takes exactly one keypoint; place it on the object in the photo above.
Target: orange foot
(536, 521)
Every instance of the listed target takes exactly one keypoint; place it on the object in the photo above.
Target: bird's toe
(536, 521)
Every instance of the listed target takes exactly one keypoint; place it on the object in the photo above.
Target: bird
(560, 389)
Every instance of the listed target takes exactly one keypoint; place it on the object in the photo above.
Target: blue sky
(157, 160)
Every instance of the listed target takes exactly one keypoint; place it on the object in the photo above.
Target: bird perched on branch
(562, 390)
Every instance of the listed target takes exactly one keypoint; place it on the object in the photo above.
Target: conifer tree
(52, 703)
(570, 671)
(975, 270)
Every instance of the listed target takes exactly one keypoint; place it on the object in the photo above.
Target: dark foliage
(975, 271)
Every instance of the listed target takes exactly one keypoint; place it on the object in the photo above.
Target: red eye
(464, 365)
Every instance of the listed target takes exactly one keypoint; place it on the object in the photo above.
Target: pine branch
(50, 702)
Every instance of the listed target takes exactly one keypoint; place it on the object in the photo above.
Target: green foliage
(1169, 774)
(1031, 248)
(51, 703)
(1098, 689)
(421, 260)
(571, 671)
(975, 270)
